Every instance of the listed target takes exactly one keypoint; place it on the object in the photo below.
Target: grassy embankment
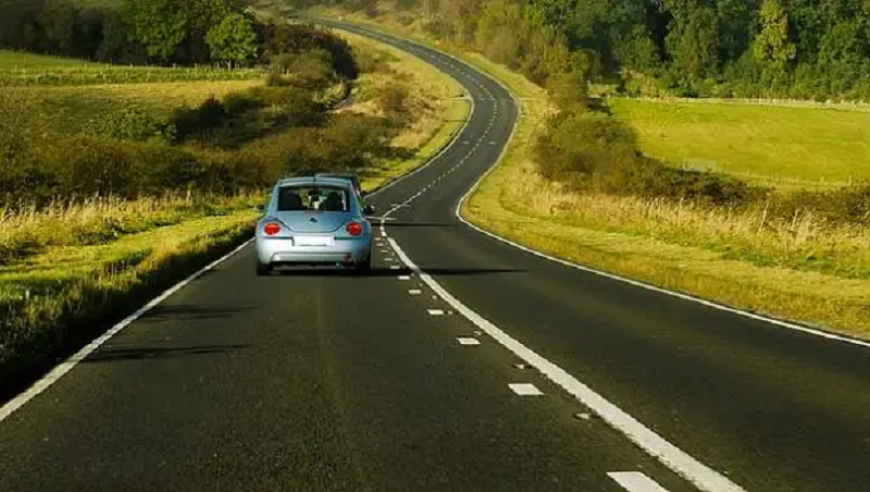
(800, 269)
(432, 98)
(68, 268)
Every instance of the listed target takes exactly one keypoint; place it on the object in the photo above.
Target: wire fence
(110, 74)
(788, 103)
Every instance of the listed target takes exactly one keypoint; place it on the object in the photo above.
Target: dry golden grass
(29, 231)
(800, 270)
(433, 106)
(721, 256)
(62, 293)
(77, 262)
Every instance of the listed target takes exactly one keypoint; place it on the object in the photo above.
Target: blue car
(313, 221)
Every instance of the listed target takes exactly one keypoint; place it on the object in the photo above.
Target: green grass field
(781, 146)
(102, 258)
(16, 60)
(801, 271)
(27, 69)
(67, 109)
(438, 113)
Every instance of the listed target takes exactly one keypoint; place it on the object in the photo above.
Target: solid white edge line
(636, 482)
(636, 283)
(702, 476)
(669, 454)
(64, 367)
(679, 295)
(694, 471)
(452, 140)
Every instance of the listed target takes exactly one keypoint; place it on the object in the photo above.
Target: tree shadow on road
(399, 223)
(141, 353)
(385, 272)
(190, 312)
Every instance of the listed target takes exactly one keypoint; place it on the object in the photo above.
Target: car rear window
(312, 198)
(353, 179)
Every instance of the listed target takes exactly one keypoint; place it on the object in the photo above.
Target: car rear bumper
(272, 251)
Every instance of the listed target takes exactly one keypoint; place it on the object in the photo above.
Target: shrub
(279, 40)
(131, 124)
(393, 100)
(583, 143)
(196, 122)
(243, 116)
(585, 148)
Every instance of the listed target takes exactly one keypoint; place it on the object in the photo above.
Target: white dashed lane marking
(636, 482)
(415, 292)
(404, 277)
(703, 477)
(697, 473)
(468, 341)
(525, 389)
(436, 312)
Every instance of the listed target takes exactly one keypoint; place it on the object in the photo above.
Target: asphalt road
(334, 382)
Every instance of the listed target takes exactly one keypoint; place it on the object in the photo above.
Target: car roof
(353, 178)
(311, 180)
(343, 175)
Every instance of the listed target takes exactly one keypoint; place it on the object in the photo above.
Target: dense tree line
(723, 47)
(159, 31)
(131, 31)
(756, 48)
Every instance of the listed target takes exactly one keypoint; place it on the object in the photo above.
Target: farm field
(106, 255)
(802, 270)
(25, 69)
(771, 145)
(68, 109)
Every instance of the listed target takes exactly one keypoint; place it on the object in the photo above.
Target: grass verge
(733, 260)
(58, 299)
(431, 97)
(105, 257)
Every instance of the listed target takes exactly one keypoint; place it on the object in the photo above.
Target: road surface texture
(416, 377)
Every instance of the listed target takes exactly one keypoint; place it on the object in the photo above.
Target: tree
(693, 40)
(58, 21)
(233, 40)
(204, 15)
(114, 46)
(161, 26)
(772, 45)
(569, 90)
(735, 28)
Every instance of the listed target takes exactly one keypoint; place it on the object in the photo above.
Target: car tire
(263, 270)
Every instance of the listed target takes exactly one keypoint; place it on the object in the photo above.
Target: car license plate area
(323, 241)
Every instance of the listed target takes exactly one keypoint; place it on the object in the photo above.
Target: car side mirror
(369, 209)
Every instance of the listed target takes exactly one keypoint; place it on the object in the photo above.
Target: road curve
(334, 382)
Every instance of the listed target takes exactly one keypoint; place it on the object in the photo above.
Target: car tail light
(354, 228)
(272, 228)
